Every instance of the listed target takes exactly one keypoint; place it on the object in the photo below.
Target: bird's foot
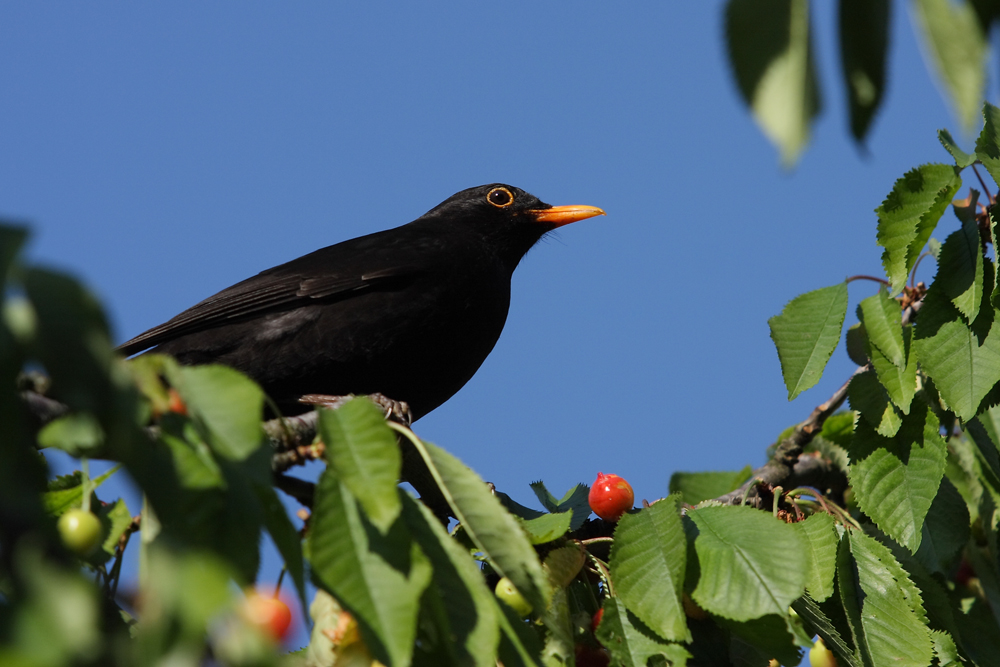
(397, 411)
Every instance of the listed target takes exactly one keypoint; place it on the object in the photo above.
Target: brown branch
(788, 467)
(787, 463)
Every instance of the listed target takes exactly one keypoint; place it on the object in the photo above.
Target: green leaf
(225, 404)
(867, 395)
(883, 324)
(564, 563)
(648, 564)
(378, 578)
(771, 55)
(979, 635)
(839, 428)
(895, 479)
(945, 650)
(516, 508)
(115, 520)
(856, 342)
(73, 341)
(520, 645)
(751, 563)
(891, 612)
(193, 462)
(821, 554)
(962, 159)
(492, 529)
(769, 636)
(558, 649)
(864, 41)
(188, 590)
(963, 361)
(806, 333)
(956, 46)
(471, 632)
(363, 452)
(575, 499)
(547, 500)
(945, 530)
(67, 491)
(12, 240)
(695, 487)
(909, 214)
(988, 143)
(630, 642)
(985, 430)
(77, 434)
(960, 269)
(59, 619)
(285, 537)
(810, 611)
(547, 527)
(900, 383)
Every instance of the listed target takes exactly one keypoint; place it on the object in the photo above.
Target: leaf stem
(85, 482)
(989, 197)
(867, 277)
(281, 576)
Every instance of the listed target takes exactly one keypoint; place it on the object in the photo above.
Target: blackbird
(409, 313)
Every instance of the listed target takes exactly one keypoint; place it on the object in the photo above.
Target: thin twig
(986, 190)
(881, 281)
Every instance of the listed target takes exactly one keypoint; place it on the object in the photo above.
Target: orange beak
(563, 215)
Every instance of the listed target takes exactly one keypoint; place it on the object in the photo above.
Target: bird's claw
(397, 411)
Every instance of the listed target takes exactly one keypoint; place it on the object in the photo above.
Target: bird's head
(509, 217)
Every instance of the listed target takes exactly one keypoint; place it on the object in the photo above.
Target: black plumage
(410, 312)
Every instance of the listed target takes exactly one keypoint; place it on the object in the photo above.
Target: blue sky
(162, 153)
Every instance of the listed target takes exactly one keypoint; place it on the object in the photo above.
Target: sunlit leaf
(493, 530)
(909, 214)
(695, 487)
(648, 564)
(821, 552)
(226, 404)
(962, 159)
(378, 578)
(471, 616)
(891, 610)
(362, 450)
(806, 333)
(630, 642)
(741, 578)
(963, 360)
(896, 479)
(882, 318)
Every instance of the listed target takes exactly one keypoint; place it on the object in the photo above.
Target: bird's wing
(277, 289)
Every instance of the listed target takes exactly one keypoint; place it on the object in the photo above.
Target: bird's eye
(500, 197)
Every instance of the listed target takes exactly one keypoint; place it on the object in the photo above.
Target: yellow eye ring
(500, 197)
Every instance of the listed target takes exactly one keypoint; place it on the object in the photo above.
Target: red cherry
(610, 497)
(591, 656)
(269, 614)
(965, 572)
(175, 403)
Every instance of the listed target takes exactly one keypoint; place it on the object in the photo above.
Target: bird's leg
(397, 411)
